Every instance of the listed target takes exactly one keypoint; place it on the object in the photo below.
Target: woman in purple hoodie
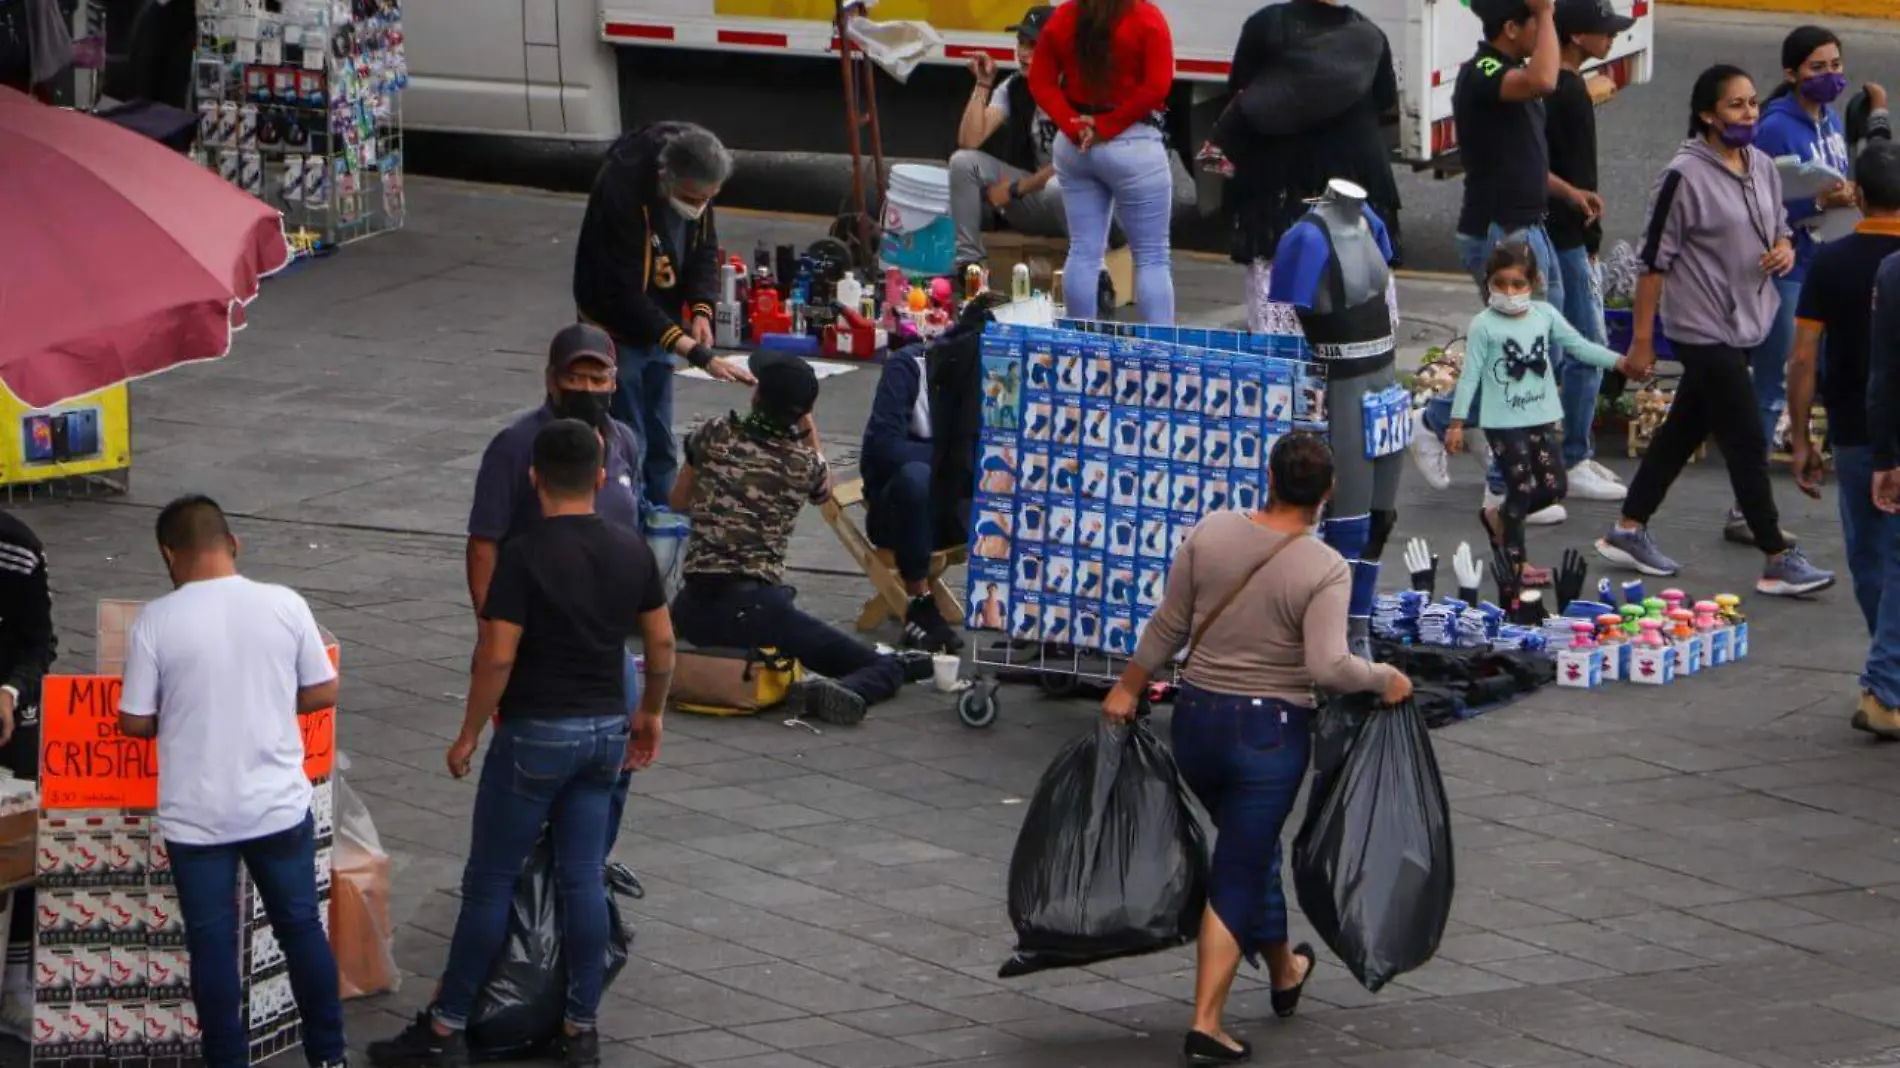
(1716, 240)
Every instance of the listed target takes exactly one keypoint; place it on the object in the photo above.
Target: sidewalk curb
(1859, 9)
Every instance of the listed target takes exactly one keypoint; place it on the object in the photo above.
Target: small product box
(1309, 394)
(998, 463)
(1098, 427)
(1057, 615)
(1157, 435)
(1062, 519)
(1120, 585)
(1068, 416)
(1118, 631)
(1184, 492)
(1150, 580)
(1616, 662)
(1069, 364)
(1058, 577)
(1039, 420)
(1217, 444)
(1035, 481)
(1250, 389)
(1065, 475)
(1025, 616)
(92, 973)
(1157, 377)
(989, 594)
(1156, 482)
(1091, 528)
(992, 537)
(125, 1031)
(1091, 576)
(1095, 481)
(128, 972)
(1250, 449)
(1652, 665)
(1151, 548)
(1216, 494)
(1217, 387)
(1186, 448)
(1124, 487)
(1032, 522)
(1189, 388)
(1088, 626)
(1688, 654)
(1739, 644)
(1580, 669)
(1721, 646)
(1039, 354)
(1098, 374)
(1028, 571)
(1124, 530)
(1246, 491)
(1125, 433)
(1277, 407)
(1127, 384)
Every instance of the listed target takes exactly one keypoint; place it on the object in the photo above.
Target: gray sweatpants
(1038, 214)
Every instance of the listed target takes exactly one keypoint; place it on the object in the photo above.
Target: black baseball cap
(1590, 16)
(1030, 27)
(1501, 10)
(788, 387)
(577, 342)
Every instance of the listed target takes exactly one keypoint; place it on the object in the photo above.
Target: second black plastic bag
(520, 1008)
(1372, 865)
(1111, 861)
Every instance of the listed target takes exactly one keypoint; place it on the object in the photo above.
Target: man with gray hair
(646, 269)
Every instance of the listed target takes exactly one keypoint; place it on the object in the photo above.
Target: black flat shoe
(1200, 1048)
(1287, 1002)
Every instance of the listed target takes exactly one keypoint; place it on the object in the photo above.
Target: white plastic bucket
(920, 238)
(667, 532)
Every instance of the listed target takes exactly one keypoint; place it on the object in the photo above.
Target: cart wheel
(977, 706)
(1058, 683)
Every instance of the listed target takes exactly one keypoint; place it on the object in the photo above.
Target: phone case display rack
(112, 978)
(1102, 445)
(300, 104)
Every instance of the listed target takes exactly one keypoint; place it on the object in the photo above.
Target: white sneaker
(1603, 471)
(1587, 484)
(1428, 453)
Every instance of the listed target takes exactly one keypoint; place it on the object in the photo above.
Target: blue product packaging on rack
(1098, 361)
(1181, 524)
(1002, 384)
(1250, 449)
(1157, 376)
(1250, 388)
(1278, 408)
(1070, 377)
(1217, 386)
(1124, 486)
(1098, 427)
(1032, 521)
(1091, 527)
(1154, 485)
(1151, 547)
(992, 528)
(1246, 490)
(1119, 585)
(1309, 399)
(1088, 626)
(1035, 477)
(1127, 388)
(1184, 488)
(998, 463)
(1095, 480)
(990, 582)
(1028, 570)
(1125, 432)
(1062, 517)
(1150, 580)
(1056, 616)
(1157, 434)
(1068, 415)
(1058, 574)
(1187, 439)
(1039, 353)
(1039, 419)
(1025, 616)
(1091, 567)
(1192, 337)
(1217, 444)
(1065, 474)
(1216, 493)
(1189, 389)
(1118, 631)
(1124, 530)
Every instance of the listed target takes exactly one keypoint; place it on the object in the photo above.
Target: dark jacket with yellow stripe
(628, 276)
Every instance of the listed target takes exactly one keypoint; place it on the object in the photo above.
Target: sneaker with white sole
(1791, 574)
(1735, 529)
(1429, 454)
(1603, 471)
(1637, 550)
(1543, 517)
(1586, 484)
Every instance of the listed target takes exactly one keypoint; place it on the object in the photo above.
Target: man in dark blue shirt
(1879, 711)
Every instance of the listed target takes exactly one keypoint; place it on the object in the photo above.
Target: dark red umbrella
(119, 258)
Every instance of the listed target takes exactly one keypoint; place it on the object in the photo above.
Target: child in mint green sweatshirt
(1510, 351)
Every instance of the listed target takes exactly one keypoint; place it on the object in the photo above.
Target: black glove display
(1510, 582)
(1570, 579)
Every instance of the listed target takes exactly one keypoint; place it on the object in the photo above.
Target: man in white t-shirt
(1003, 160)
(218, 671)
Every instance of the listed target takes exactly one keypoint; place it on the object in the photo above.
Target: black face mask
(589, 407)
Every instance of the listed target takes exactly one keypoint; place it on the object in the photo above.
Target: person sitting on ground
(896, 464)
(745, 480)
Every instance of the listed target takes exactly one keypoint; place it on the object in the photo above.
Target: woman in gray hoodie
(1716, 239)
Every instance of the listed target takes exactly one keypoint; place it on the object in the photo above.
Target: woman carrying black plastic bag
(1266, 605)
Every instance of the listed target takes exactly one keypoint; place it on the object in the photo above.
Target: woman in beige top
(1265, 605)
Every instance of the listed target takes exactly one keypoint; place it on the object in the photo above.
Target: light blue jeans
(1579, 382)
(1768, 364)
(1126, 179)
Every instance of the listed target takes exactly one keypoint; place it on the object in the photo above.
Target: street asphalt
(1704, 876)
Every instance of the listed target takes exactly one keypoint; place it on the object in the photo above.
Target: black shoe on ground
(926, 629)
(581, 1049)
(1204, 1049)
(916, 664)
(827, 702)
(419, 1046)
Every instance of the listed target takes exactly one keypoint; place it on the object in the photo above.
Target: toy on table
(1633, 591)
(1653, 607)
(1632, 615)
(1581, 665)
(1673, 599)
(1730, 607)
(1610, 628)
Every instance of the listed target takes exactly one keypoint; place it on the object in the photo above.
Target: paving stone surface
(1705, 876)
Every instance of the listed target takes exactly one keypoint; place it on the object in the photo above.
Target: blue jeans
(1863, 529)
(1768, 364)
(617, 801)
(283, 868)
(1579, 382)
(644, 401)
(1130, 179)
(1244, 758)
(745, 614)
(901, 520)
(557, 774)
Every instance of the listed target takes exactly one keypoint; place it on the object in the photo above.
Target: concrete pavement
(1706, 876)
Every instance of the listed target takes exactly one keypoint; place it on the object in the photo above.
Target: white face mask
(1510, 303)
(689, 212)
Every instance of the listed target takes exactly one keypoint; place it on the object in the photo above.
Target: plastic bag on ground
(1111, 861)
(361, 933)
(520, 1008)
(1372, 865)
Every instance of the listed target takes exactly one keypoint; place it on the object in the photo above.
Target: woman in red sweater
(1101, 72)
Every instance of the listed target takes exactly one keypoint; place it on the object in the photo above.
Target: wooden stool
(891, 599)
(1007, 248)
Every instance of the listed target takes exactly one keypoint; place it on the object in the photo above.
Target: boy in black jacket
(646, 269)
(27, 648)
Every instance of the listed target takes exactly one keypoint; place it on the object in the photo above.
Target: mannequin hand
(1504, 573)
(1422, 565)
(1468, 569)
(1570, 578)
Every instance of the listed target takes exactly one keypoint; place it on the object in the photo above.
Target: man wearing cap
(1586, 31)
(745, 480)
(1003, 162)
(580, 385)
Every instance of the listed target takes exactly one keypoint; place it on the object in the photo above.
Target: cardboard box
(1580, 669)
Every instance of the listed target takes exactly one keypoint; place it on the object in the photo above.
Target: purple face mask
(1737, 134)
(1824, 88)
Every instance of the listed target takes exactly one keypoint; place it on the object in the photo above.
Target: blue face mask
(1824, 88)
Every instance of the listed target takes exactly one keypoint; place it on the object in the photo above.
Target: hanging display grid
(1102, 445)
(300, 104)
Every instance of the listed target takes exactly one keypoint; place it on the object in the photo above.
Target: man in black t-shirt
(566, 595)
(1836, 310)
(1588, 30)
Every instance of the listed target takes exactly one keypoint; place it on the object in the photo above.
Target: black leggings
(1530, 460)
(1715, 397)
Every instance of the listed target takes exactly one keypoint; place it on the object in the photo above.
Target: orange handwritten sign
(85, 760)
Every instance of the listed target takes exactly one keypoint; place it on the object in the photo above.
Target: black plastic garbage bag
(520, 1008)
(1111, 861)
(1372, 865)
